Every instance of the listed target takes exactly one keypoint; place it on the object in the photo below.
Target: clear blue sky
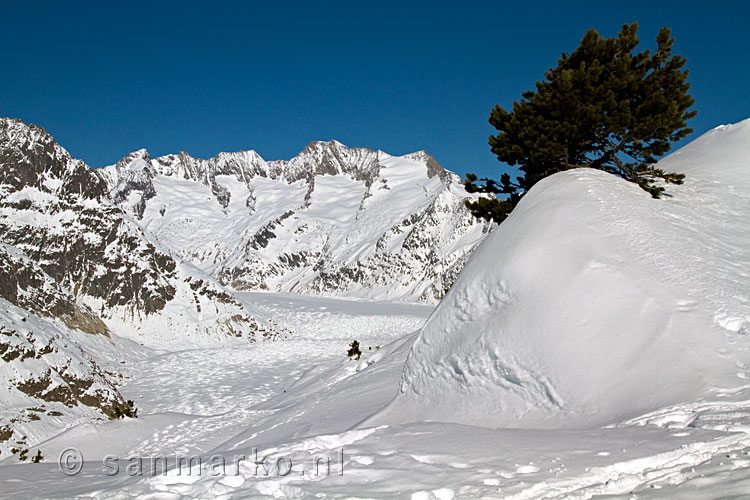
(272, 76)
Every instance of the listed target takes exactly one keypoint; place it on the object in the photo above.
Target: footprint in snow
(362, 460)
(440, 494)
(527, 469)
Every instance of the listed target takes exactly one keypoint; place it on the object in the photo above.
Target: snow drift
(594, 302)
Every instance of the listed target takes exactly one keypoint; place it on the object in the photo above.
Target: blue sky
(272, 76)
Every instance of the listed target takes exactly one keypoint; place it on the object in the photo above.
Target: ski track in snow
(217, 388)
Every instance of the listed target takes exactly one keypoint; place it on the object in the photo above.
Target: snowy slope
(594, 302)
(332, 220)
(53, 377)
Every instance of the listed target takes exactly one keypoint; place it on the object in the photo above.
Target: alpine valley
(97, 266)
(178, 328)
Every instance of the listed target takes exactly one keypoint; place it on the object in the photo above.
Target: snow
(595, 345)
(594, 302)
(191, 401)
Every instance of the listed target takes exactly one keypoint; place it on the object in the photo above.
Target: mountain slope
(52, 377)
(76, 276)
(594, 303)
(332, 220)
(59, 213)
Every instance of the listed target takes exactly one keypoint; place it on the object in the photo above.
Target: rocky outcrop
(24, 284)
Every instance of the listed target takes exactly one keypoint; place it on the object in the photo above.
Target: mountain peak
(433, 167)
(130, 158)
(329, 143)
(331, 146)
(31, 158)
(9, 125)
(15, 133)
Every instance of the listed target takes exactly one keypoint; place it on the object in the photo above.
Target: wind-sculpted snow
(593, 302)
(332, 220)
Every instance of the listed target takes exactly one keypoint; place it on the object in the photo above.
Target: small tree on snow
(354, 351)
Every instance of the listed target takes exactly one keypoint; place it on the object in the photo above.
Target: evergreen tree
(354, 351)
(603, 107)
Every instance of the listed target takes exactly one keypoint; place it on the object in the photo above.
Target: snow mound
(594, 303)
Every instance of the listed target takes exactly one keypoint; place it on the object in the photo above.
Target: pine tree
(603, 107)
(354, 351)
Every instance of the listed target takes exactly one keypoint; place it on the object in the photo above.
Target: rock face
(332, 220)
(24, 284)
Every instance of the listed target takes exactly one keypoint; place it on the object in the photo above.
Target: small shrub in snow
(129, 411)
(354, 351)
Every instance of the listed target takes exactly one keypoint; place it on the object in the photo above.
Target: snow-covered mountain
(596, 344)
(77, 276)
(59, 213)
(89, 259)
(332, 220)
